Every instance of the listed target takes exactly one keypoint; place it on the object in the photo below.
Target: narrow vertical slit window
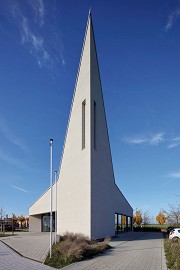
(83, 124)
(95, 139)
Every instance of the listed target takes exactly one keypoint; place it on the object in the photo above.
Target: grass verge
(172, 251)
(5, 235)
(73, 248)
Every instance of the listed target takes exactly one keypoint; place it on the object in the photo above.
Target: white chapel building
(88, 199)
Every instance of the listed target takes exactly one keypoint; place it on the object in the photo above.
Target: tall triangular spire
(74, 177)
(86, 174)
(88, 197)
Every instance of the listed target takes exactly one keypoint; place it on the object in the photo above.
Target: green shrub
(75, 247)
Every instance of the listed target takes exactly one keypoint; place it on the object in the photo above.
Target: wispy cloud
(21, 189)
(175, 142)
(39, 32)
(10, 136)
(171, 19)
(39, 10)
(36, 44)
(153, 139)
(174, 175)
(12, 160)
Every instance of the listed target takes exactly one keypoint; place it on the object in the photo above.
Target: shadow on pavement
(130, 236)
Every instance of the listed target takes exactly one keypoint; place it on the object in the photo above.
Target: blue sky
(138, 46)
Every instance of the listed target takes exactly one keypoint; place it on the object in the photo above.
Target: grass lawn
(164, 226)
(74, 248)
(22, 230)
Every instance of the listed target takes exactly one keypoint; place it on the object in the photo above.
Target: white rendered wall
(74, 179)
(106, 198)
(35, 223)
(42, 205)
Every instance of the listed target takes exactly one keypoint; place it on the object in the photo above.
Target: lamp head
(51, 141)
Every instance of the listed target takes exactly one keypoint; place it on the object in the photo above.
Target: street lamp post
(51, 144)
(55, 176)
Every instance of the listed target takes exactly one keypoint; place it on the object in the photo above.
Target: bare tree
(1, 219)
(1, 213)
(173, 215)
(146, 217)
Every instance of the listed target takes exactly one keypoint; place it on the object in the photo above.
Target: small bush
(172, 251)
(75, 247)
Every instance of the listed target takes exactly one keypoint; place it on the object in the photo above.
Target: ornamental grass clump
(172, 251)
(73, 248)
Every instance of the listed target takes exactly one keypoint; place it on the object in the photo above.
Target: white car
(175, 233)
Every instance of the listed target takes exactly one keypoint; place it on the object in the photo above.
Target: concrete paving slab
(137, 251)
(132, 250)
(31, 245)
(9, 260)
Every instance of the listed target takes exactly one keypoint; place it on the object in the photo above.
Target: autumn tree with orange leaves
(161, 219)
(21, 219)
(137, 219)
(124, 220)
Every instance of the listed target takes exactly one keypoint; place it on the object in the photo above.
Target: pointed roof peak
(90, 11)
(90, 15)
(89, 24)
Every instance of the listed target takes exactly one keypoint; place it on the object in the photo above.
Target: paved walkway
(137, 251)
(31, 245)
(132, 251)
(9, 260)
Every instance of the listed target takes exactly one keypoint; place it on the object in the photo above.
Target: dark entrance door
(46, 222)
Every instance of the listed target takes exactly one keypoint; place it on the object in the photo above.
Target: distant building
(89, 200)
